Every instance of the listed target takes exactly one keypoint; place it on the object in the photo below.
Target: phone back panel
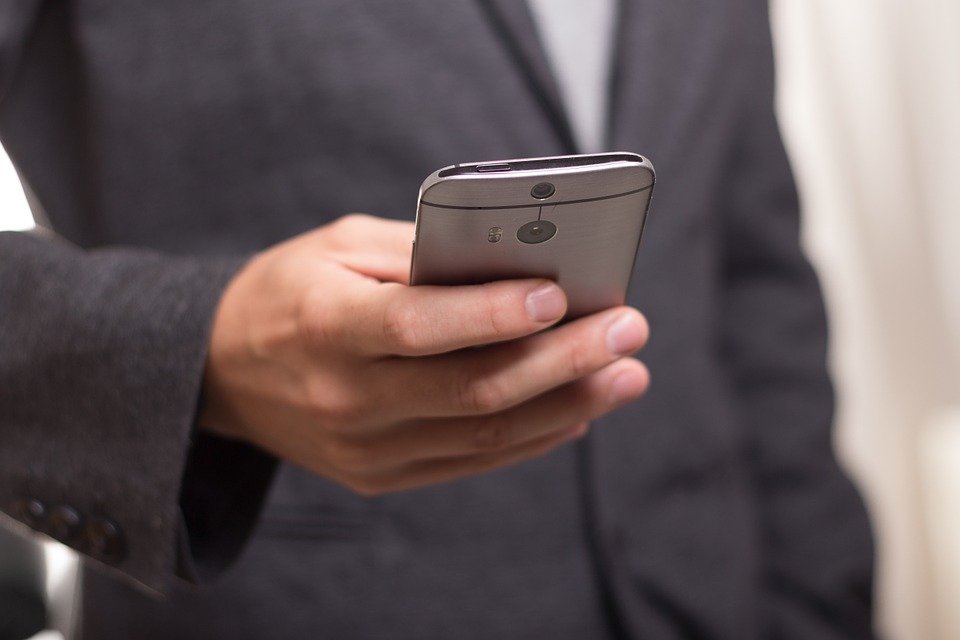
(467, 229)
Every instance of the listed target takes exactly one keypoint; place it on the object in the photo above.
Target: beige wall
(870, 106)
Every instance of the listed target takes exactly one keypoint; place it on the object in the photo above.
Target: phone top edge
(546, 162)
(527, 167)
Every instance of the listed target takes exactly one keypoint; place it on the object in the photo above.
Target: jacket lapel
(512, 22)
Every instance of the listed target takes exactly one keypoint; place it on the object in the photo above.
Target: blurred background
(869, 102)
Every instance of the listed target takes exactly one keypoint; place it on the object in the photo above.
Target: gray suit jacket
(165, 141)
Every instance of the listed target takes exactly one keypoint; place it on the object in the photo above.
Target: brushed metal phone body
(469, 216)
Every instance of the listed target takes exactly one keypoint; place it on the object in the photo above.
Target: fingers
(580, 401)
(419, 321)
(490, 380)
(437, 471)
(384, 267)
(362, 232)
(376, 247)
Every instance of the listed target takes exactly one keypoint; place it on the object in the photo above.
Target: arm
(101, 361)
(818, 552)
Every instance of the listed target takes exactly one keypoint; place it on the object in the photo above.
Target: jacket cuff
(101, 361)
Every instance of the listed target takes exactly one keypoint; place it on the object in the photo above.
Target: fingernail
(626, 386)
(545, 303)
(626, 334)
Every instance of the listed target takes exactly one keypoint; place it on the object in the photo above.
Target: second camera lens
(543, 190)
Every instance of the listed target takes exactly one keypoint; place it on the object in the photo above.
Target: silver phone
(574, 219)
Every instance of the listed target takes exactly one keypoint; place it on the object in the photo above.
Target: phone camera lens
(536, 232)
(543, 190)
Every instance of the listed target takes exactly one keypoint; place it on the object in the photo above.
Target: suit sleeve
(101, 360)
(102, 355)
(817, 548)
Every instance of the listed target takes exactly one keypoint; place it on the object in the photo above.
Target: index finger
(376, 247)
(427, 320)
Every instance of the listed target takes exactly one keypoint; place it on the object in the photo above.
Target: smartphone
(576, 220)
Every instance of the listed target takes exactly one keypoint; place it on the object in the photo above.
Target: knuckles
(350, 225)
(354, 464)
(366, 485)
(580, 358)
(360, 485)
(332, 406)
(351, 457)
(491, 435)
(499, 311)
(480, 395)
(402, 329)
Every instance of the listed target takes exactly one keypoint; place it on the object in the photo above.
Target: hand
(322, 355)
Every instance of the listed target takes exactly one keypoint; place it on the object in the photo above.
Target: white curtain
(869, 99)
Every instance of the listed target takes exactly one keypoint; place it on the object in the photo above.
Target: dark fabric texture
(167, 140)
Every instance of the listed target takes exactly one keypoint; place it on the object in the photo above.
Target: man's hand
(322, 355)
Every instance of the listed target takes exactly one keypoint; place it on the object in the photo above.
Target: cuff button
(103, 539)
(64, 524)
(30, 512)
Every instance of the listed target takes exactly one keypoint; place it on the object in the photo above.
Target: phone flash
(494, 234)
